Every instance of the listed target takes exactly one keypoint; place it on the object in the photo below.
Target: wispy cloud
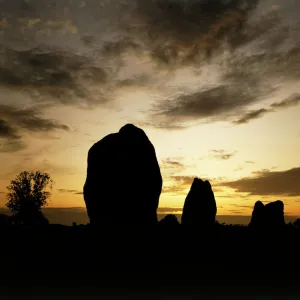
(163, 210)
(75, 192)
(222, 154)
(251, 115)
(171, 163)
(291, 101)
(207, 105)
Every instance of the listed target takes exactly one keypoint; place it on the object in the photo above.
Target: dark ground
(173, 261)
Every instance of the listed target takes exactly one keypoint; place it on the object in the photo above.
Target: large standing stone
(123, 182)
(200, 207)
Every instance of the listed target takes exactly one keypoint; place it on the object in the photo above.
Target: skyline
(66, 216)
(216, 88)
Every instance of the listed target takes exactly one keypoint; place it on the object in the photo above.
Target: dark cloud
(283, 64)
(12, 145)
(10, 141)
(14, 122)
(30, 19)
(293, 100)
(181, 30)
(251, 115)
(136, 81)
(6, 130)
(209, 104)
(172, 33)
(176, 33)
(213, 103)
(62, 76)
(242, 84)
(27, 119)
(118, 47)
(88, 40)
(275, 40)
(266, 182)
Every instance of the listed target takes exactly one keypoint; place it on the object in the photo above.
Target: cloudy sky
(215, 85)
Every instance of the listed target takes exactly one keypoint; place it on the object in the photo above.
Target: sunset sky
(214, 84)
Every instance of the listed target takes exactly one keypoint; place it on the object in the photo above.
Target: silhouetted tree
(27, 194)
(5, 220)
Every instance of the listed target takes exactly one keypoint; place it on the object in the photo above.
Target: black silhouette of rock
(275, 214)
(269, 216)
(169, 220)
(258, 218)
(200, 207)
(123, 182)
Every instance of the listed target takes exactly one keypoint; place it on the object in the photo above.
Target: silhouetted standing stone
(200, 207)
(269, 216)
(275, 214)
(258, 218)
(123, 182)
